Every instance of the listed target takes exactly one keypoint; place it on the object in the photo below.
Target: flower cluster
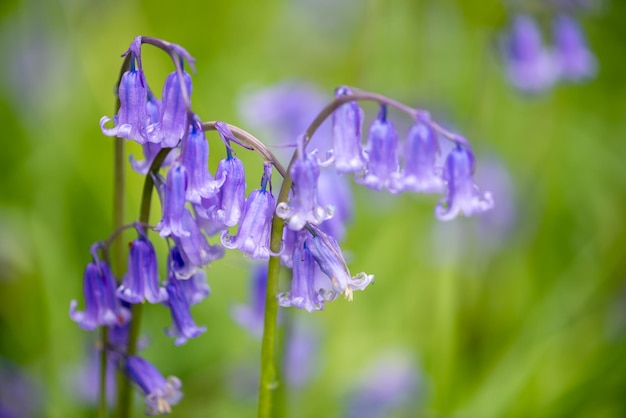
(198, 205)
(532, 67)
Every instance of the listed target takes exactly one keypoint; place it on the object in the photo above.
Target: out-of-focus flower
(21, 395)
(421, 149)
(382, 171)
(251, 316)
(160, 393)
(183, 326)
(347, 123)
(530, 66)
(574, 60)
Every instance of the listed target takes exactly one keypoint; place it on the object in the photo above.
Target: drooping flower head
(102, 308)
(160, 393)
(530, 66)
(194, 247)
(347, 123)
(304, 293)
(174, 111)
(462, 195)
(253, 235)
(141, 281)
(173, 198)
(183, 326)
(574, 59)
(195, 158)
(303, 207)
(382, 159)
(329, 258)
(132, 118)
(421, 150)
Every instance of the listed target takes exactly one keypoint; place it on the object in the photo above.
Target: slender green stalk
(125, 400)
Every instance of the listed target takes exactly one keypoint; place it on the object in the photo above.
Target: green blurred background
(520, 313)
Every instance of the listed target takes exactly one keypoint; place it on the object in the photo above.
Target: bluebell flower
(574, 59)
(141, 282)
(304, 293)
(252, 315)
(195, 158)
(329, 257)
(462, 195)
(204, 212)
(180, 264)
(195, 288)
(382, 170)
(347, 123)
(421, 149)
(132, 118)
(160, 393)
(173, 197)
(530, 66)
(290, 239)
(174, 115)
(194, 247)
(303, 207)
(102, 308)
(253, 235)
(183, 326)
(232, 195)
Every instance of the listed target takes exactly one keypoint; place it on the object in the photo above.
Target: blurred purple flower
(183, 326)
(21, 396)
(421, 149)
(251, 316)
(347, 123)
(574, 60)
(160, 393)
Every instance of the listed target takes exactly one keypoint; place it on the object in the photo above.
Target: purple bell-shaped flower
(173, 196)
(347, 122)
(141, 282)
(183, 326)
(194, 247)
(462, 195)
(174, 116)
(253, 235)
(574, 59)
(232, 195)
(160, 393)
(195, 158)
(421, 150)
(303, 207)
(382, 171)
(304, 293)
(102, 308)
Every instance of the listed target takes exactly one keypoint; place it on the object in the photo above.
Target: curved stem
(125, 398)
(250, 140)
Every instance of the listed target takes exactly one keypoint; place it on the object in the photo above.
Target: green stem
(125, 401)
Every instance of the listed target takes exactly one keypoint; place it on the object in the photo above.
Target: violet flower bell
(347, 122)
(174, 115)
(304, 293)
(183, 326)
(132, 118)
(194, 247)
(303, 208)
(253, 235)
(195, 158)
(173, 198)
(180, 264)
(160, 393)
(328, 256)
(530, 66)
(574, 59)
(232, 195)
(382, 171)
(462, 195)
(141, 282)
(102, 308)
(421, 150)
(195, 288)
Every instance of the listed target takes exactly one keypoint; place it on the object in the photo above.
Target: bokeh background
(517, 313)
